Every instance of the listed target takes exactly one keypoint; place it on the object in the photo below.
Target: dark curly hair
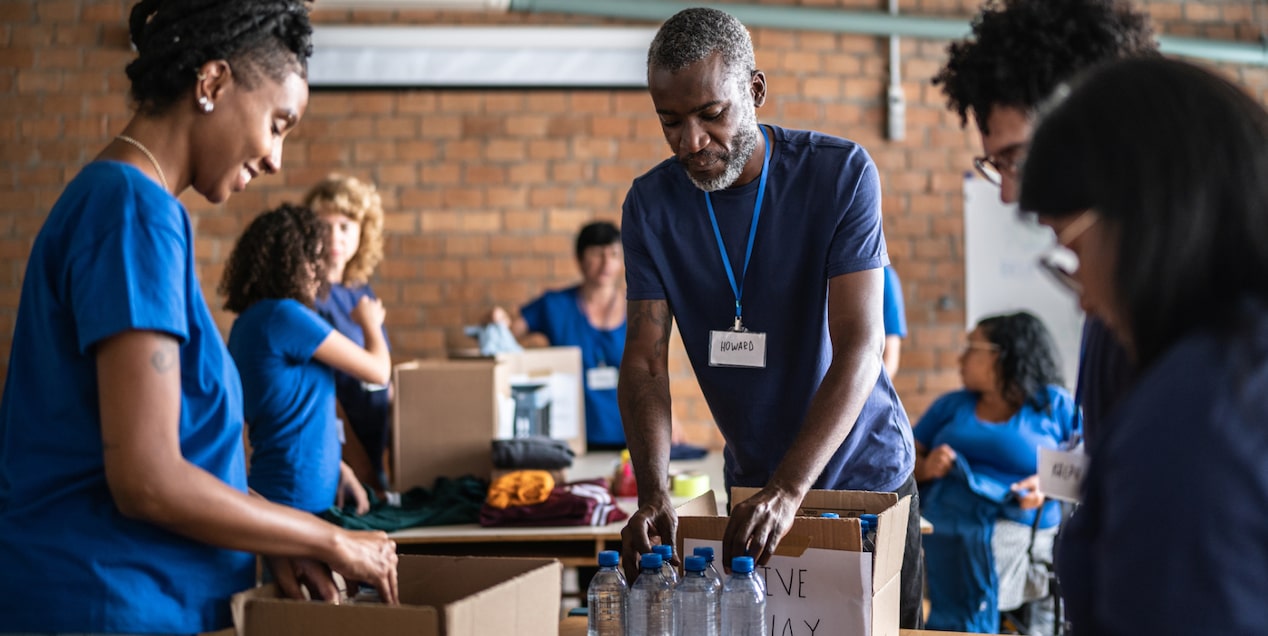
(278, 256)
(174, 38)
(1027, 358)
(1021, 50)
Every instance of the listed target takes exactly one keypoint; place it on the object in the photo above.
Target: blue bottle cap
(609, 558)
(650, 561)
(704, 551)
(693, 564)
(666, 552)
(829, 515)
(742, 565)
(869, 521)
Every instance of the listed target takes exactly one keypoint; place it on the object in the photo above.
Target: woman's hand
(937, 463)
(369, 313)
(350, 486)
(1028, 495)
(367, 557)
(293, 576)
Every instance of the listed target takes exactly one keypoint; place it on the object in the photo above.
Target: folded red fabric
(578, 503)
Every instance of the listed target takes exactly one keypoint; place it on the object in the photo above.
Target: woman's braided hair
(174, 38)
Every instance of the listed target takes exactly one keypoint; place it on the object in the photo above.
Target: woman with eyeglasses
(1166, 164)
(976, 459)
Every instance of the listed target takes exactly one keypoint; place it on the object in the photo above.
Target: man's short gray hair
(692, 35)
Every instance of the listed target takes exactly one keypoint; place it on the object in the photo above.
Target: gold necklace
(148, 155)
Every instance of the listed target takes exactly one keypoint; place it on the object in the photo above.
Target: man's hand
(757, 524)
(653, 519)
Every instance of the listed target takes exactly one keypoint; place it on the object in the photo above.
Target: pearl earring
(206, 104)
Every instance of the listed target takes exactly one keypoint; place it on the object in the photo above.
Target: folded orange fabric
(520, 488)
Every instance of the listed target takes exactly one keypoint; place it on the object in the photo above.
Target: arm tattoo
(653, 315)
(165, 357)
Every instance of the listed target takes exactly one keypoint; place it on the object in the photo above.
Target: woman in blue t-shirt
(123, 496)
(976, 460)
(287, 355)
(590, 316)
(354, 211)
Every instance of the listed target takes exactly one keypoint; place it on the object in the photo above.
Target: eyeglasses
(1059, 261)
(1008, 162)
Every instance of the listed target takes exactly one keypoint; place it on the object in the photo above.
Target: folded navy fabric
(533, 453)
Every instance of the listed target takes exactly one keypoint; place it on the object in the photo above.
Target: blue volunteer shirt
(558, 315)
(1004, 452)
(895, 312)
(115, 254)
(365, 406)
(289, 405)
(1105, 375)
(820, 218)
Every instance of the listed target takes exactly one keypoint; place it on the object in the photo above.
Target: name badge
(1061, 473)
(601, 378)
(737, 349)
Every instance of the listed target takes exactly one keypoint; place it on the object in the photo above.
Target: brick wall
(485, 188)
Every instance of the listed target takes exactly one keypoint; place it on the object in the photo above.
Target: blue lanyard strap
(738, 289)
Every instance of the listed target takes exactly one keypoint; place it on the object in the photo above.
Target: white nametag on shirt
(737, 349)
(1061, 473)
(602, 378)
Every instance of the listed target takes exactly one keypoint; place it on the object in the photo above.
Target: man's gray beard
(745, 143)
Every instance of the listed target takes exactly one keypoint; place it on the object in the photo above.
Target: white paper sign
(602, 378)
(820, 593)
(1061, 473)
(737, 349)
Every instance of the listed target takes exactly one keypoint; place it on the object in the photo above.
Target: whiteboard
(1001, 251)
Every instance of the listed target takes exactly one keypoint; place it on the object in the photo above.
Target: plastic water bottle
(650, 607)
(696, 601)
(606, 597)
(743, 601)
(666, 553)
(868, 523)
(710, 571)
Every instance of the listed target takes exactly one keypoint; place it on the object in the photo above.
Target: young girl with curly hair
(353, 210)
(287, 356)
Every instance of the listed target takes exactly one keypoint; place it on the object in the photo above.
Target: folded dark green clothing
(449, 502)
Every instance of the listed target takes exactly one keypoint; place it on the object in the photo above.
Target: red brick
(454, 197)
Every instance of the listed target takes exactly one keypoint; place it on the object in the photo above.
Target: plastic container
(697, 603)
(743, 601)
(606, 597)
(666, 553)
(650, 604)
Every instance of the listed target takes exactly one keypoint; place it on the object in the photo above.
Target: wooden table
(576, 626)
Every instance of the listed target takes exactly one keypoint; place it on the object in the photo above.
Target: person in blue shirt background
(976, 460)
(766, 245)
(1151, 173)
(354, 211)
(287, 355)
(590, 315)
(123, 496)
(895, 321)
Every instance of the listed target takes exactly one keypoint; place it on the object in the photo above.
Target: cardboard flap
(891, 539)
(278, 617)
(705, 505)
(238, 604)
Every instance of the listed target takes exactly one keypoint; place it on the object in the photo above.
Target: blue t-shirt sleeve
(642, 280)
(296, 331)
(537, 315)
(131, 277)
(939, 414)
(858, 243)
(895, 312)
(1064, 411)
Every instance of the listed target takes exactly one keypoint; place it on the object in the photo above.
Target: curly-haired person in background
(123, 496)
(976, 457)
(287, 355)
(354, 211)
(1018, 53)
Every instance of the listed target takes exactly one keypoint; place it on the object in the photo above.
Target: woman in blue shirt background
(976, 459)
(354, 211)
(287, 355)
(123, 498)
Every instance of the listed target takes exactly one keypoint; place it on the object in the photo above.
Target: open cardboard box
(448, 412)
(440, 596)
(801, 596)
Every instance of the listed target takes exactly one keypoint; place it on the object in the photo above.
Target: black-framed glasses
(1059, 261)
(1006, 162)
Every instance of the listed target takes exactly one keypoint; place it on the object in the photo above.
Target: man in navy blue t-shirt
(765, 245)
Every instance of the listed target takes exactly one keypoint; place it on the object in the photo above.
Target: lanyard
(752, 233)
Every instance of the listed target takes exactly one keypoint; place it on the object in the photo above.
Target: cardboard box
(448, 412)
(440, 596)
(819, 574)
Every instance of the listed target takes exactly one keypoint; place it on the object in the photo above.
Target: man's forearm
(647, 416)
